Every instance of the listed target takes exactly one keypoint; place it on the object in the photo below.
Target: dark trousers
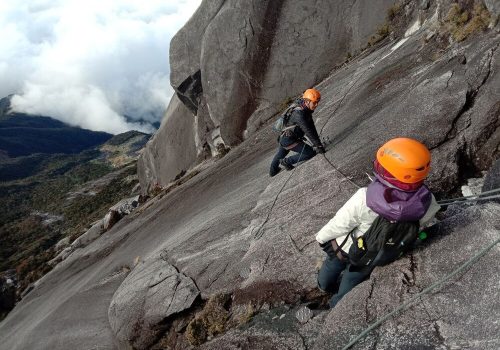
(303, 152)
(329, 274)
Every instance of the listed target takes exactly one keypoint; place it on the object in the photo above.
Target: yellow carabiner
(361, 243)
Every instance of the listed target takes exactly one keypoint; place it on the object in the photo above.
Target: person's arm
(307, 125)
(345, 220)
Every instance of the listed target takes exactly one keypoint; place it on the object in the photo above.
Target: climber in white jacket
(397, 194)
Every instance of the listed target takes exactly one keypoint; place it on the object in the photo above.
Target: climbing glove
(320, 149)
(328, 249)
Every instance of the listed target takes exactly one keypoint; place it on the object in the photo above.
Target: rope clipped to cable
(409, 302)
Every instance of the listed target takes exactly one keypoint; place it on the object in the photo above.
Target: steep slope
(233, 230)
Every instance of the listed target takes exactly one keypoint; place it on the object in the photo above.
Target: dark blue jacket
(301, 117)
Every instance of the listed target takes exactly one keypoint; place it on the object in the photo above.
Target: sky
(89, 63)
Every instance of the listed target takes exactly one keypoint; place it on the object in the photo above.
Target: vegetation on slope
(38, 212)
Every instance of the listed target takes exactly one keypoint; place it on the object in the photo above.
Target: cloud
(90, 63)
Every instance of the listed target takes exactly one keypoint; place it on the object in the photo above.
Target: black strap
(342, 244)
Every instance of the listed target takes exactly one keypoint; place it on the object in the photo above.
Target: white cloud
(89, 63)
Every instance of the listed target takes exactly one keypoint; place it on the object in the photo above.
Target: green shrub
(210, 321)
(461, 24)
(394, 11)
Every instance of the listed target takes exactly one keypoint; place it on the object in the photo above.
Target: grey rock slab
(459, 314)
(493, 6)
(110, 219)
(492, 179)
(171, 150)
(90, 235)
(82, 325)
(126, 206)
(400, 92)
(282, 246)
(63, 243)
(151, 293)
(304, 314)
(309, 41)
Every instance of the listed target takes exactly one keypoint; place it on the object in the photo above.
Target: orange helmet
(312, 95)
(406, 159)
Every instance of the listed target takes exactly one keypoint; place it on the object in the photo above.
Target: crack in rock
(470, 100)
(439, 336)
(367, 306)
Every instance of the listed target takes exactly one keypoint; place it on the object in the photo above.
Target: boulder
(63, 243)
(152, 293)
(126, 206)
(7, 293)
(61, 256)
(110, 219)
(89, 236)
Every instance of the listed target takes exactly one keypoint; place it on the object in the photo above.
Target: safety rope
(258, 235)
(409, 302)
(335, 111)
(341, 173)
(444, 201)
(470, 200)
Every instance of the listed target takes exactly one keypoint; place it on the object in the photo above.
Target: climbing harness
(409, 302)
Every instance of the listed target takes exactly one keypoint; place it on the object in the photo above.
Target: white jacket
(355, 215)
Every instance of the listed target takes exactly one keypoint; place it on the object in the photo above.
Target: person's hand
(328, 249)
(320, 149)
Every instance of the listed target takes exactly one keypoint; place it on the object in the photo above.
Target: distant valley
(55, 181)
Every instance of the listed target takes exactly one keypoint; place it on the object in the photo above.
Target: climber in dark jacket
(299, 124)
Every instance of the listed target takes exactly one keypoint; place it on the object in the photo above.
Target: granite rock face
(248, 55)
(235, 63)
(493, 6)
(153, 292)
(233, 230)
(171, 150)
(440, 318)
